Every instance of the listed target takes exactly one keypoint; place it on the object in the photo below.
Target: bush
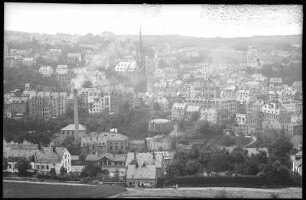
(86, 180)
(243, 181)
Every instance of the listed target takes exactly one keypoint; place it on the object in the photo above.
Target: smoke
(173, 134)
(100, 61)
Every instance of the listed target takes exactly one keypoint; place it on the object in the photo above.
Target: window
(42, 167)
(47, 167)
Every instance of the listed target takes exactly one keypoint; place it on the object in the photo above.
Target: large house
(42, 159)
(105, 142)
(297, 162)
(108, 161)
(143, 169)
(46, 70)
(158, 143)
(178, 111)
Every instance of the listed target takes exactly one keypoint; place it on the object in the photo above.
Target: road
(254, 140)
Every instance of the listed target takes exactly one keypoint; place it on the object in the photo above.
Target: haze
(189, 20)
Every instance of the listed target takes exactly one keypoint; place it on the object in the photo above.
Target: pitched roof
(145, 157)
(71, 127)
(113, 157)
(46, 155)
(140, 172)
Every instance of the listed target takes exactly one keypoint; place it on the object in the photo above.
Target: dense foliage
(275, 168)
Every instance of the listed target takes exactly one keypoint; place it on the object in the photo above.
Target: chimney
(135, 155)
(76, 113)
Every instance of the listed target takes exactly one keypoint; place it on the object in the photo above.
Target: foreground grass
(30, 190)
(215, 192)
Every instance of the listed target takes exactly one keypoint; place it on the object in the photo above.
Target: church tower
(141, 55)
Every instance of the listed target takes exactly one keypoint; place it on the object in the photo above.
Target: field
(214, 192)
(32, 190)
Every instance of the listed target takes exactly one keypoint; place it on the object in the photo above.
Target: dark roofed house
(42, 159)
(143, 169)
(108, 161)
(52, 157)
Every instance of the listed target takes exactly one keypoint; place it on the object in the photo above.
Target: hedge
(226, 181)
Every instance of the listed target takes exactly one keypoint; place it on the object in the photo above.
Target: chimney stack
(76, 113)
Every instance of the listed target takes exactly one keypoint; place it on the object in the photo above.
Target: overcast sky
(190, 20)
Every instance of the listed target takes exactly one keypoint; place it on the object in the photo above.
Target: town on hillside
(150, 111)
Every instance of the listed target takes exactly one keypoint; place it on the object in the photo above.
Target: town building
(178, 111)
(160, 126)
(70, 132)
(108, 161)
(105, 142)
(137, 145)
(297, 162)
(46, 105)
(46, 70)
(158, 143)
(209, 115)
(143, 169)
(42, 159)
(74, 58)
(53, 55)
(15, 106)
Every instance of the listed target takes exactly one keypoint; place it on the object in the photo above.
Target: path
(48, 183)
(254, 140)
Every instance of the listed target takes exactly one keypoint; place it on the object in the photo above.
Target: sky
(189, 20)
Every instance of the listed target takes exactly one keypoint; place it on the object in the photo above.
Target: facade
(143, 169)
(46, 105)
(63, 75)
(69, 131)
(160, 126)
(105, 142)
(42, 159)
(297, 163)
(127, 66)
(178, 111)
(46, 70)
(109, 162)
(158, 143)
(15, 105)
(74, 58)
(209, 115)
(53, 55)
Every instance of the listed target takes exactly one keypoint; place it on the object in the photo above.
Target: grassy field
(214, 192)
(30, 190)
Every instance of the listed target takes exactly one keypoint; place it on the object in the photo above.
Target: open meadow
(33, 190)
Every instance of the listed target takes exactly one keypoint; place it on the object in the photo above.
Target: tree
(284, 175)
(87, 84)
(192, 167)
(23, 165)
(156, 106)
(117, 174)
(195, 116)
(52, 172)
(63, 171)
(220, 162)
(5, 163)
(281, 147)
(90, 171)
(162, 64)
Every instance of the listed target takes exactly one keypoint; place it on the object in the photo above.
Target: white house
(46, 70)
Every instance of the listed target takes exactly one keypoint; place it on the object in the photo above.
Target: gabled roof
(71, 127)
(113, 157)
(46, 155)
(141, 172)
